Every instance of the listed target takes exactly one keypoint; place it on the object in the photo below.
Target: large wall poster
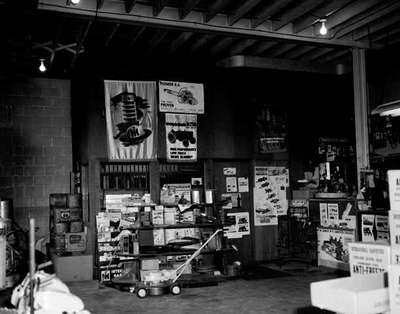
(181, 133)
(270, 200)
(131, 119)
(181, 97)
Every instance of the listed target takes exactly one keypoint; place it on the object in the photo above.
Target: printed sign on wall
(270, 194)
(181, 97)
(368, 258)
(131, 118)
(181, 132)
(394, 189)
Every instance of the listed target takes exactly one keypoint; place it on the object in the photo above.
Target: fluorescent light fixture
(388, 109)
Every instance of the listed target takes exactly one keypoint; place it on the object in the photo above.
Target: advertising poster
(229, 171)
(181, 132)
(368, 258)
(181, 97)
(241, 226)
(394, 220)
(333, 214)
(175, 193)
(375, 228)
(231, 184)
(243, 184)
(131, 119)
(299, 208)
(394, 189)
(367, 226)
(333, 247)
(323, 212)
(270, 194)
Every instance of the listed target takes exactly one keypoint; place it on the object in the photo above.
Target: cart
(145, 288)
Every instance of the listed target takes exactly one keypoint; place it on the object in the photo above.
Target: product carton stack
(394, 222)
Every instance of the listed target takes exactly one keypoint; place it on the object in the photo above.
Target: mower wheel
(172, 137)
(185, 142)
(175, 289)
(141, 293)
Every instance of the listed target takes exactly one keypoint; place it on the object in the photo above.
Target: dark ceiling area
(113, 37)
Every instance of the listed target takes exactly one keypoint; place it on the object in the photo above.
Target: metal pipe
(31, 261)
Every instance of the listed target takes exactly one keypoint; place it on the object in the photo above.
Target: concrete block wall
(35, 146)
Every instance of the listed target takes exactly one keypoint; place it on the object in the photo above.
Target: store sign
(131, 119)
(333, 250)
(181, 137)
(394, 189)
(181, 97)
(368, 258)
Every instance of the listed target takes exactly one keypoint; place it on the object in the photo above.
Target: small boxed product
(159, 237)
(75, 242)
(149, 264)
(158, 215)
(170, 215)
(352, 295)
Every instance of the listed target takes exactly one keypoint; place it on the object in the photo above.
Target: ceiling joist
(84, 33)
(269, 11)
(244, 9)
(189, 5)
(192, 22)
(158, 6)
(217, 6)
(179, 41)
(129, 4)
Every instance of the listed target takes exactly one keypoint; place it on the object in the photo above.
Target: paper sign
(394, 220)
(243, 183)
(323, 212)
(241, 226)
(231, 184)
(394, 189)
(368, 258)
(367, 226)
(231, 171)
(333, 214)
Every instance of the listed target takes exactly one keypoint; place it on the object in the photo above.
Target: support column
(360, 111)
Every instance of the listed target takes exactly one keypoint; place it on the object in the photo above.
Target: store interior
(167, 156)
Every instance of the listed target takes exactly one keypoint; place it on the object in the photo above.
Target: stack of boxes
(66, 225)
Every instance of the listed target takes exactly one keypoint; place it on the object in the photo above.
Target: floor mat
(260, 272)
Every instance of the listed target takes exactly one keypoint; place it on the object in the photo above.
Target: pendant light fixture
(388, 109)
(42, 67)
(323, 29)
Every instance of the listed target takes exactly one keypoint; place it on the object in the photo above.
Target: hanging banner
(270, 199)
(181, 97)
(131, 119)
(181, 132)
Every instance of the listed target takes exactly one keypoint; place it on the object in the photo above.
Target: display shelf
(175, 226)
(172, 253)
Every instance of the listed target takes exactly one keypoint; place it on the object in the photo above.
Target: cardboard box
(368, 258)
(394, 288)
(110, 273)
(74, 268)
(158, 215)
(150, 264)
(75, 242)
(352, 295)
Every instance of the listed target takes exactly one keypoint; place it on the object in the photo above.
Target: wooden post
(32, 261)
(360, 111)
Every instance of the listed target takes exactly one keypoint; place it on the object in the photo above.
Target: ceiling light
(75, 2)
(323, 30)
(388, 109)
(42, 67)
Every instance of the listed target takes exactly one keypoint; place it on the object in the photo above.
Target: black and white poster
(180, 97)
(131, 119)
(181, 133)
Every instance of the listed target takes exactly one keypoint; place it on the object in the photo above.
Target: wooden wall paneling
(245, 244)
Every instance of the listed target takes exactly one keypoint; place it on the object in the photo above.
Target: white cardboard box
(368, 258)
(352, 295)
(74, 268)
(394, 288)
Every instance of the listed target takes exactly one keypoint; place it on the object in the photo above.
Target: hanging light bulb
(42, 67)
(75, 2)
(323, 30)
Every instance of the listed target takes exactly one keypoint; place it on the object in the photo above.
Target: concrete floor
(276, 295)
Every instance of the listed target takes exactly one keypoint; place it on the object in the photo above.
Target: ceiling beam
(242, 10)
(321, 12)
(298, 52)
(201, 42)
(279, 50)
(100, 4)
(369, 17)
(158, 6)
(275, 64)
(179, 41)
(136, 35)
(83, 35)
(351, 10)
(269, 11)
(241, 46)
(261, 47)
(295, 12)
(216, 7)
(111, 35)
(316, 53)
(169, 18)
(221, 45)
(385, 35)
(376, 27)
(129, 4)
(333, 56)
(189, 5)
(157, 38)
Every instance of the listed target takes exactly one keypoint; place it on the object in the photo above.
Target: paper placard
(368, 258)
(229, 171)
(243, 184)
(231, 184)
(394, 189)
